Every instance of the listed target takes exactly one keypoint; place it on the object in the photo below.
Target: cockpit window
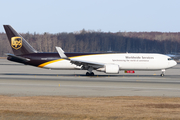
(170, 59)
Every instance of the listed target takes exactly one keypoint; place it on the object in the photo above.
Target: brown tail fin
(18, 44)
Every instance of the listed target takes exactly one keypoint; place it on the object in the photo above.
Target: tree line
(97, 41)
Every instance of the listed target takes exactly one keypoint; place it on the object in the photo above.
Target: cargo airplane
(110, 63)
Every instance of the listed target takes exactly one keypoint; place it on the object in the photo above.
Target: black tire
(87, 73)
(92, 74)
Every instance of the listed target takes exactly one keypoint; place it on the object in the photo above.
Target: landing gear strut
(163, 71)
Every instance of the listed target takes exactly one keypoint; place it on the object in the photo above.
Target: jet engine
(110, 69)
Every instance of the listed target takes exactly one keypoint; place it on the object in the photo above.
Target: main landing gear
(90, 73)
(163, 71)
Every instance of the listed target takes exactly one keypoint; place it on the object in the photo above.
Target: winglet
(61, 53)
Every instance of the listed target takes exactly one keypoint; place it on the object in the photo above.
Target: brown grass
(87, 108)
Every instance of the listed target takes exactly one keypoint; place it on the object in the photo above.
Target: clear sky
(55, 16)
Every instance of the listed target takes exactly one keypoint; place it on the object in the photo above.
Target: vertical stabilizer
(18, 44)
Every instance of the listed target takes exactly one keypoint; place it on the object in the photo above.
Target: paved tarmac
(22, 80)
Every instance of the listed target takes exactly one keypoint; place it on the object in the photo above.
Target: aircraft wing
(86, 63)
(77, 62)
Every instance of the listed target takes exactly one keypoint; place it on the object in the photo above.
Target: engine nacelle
(112, 68)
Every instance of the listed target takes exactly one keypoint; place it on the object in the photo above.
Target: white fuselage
(126, 61)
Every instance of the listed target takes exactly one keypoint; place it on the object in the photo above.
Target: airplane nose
(174, 63)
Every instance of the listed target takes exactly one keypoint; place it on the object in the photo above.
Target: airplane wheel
(92, 74)
(162, 75)
(87, 73)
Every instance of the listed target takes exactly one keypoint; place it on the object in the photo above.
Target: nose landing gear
(163, 71)
(162, 75)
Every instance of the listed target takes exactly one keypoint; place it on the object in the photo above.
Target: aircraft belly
(133, 66)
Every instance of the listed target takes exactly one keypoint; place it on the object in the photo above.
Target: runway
(20, 80)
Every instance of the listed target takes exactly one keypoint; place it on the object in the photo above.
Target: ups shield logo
(16, 42)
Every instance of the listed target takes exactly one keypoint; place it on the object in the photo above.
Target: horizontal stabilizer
(17, 58)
